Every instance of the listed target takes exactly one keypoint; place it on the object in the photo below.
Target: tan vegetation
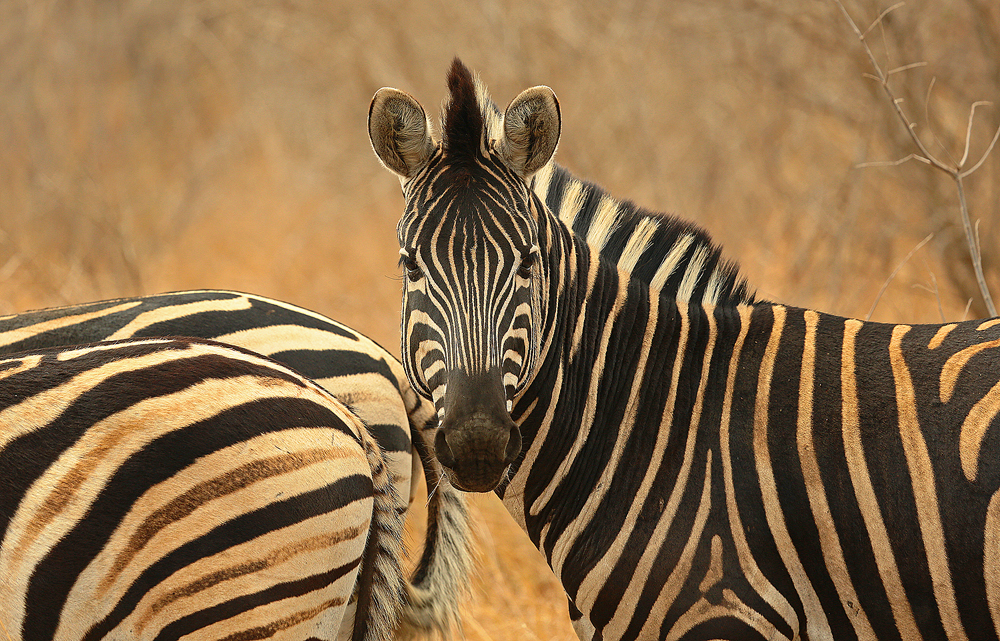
(154, 146)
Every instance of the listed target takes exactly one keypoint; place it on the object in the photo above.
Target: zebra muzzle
(477, 440)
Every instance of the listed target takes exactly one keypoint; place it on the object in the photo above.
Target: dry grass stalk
(888, 280)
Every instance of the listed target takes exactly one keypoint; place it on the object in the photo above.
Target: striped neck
(585, 401)
(595, 319)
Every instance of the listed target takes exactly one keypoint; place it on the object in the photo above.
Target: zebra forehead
(470, 214)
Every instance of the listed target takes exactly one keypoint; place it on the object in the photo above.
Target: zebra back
(159, 488)
(352, 367)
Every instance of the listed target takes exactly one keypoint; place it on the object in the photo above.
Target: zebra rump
(175, 488)
(349, 365)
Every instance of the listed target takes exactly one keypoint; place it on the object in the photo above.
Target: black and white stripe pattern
(696, 465)
(159, 489)
(350, 366)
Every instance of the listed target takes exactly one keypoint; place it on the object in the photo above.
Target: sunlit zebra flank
(167, 489)
(692, 464)
(350, 366)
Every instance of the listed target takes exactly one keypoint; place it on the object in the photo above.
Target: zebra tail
(380, 591)
(440, 583)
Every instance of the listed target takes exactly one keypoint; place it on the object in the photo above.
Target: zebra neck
(621, 372)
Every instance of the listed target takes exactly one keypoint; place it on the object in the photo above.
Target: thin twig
(927, 118)
(892, 163)
(986, 153)
(912, 65)
(937, 296)
(885, 285)
(878, 20)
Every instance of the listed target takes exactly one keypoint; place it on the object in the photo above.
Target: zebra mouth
(475, 481)
(477, 460)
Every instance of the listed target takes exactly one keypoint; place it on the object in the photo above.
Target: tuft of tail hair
(440, 583)
(431, 601)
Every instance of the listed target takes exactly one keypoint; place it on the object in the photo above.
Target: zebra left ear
(531, 127)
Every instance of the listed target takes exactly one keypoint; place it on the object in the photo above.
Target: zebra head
(470, 254)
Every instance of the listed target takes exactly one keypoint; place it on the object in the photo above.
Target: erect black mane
(463, 120)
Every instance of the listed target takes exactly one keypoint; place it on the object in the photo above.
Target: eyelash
(527, 262)
(411, 268)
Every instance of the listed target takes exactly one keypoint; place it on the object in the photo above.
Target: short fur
(344, 362)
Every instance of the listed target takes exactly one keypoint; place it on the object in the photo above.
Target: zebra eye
(524, 269)
(411, 268)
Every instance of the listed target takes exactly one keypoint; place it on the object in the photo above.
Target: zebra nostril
(443, 450)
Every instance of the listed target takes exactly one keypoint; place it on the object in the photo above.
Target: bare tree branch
(985, 154)
(956, 172)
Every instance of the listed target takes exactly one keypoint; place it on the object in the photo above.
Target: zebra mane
(670, 254)
(673, 255)
(463, 125)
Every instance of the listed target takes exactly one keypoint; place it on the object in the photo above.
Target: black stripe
(886, 463)
(584, 218)
(237, 531)
(571, 403)
(962, 504)
(244, 603)
(333, 363)
(260, 314)
(746, 483)
(158, 461)
(786, 466)
(96, 329)
(557, 186)
(27, 457)
(841, 497)
(206, 324)
(612, 399)
(639, 449)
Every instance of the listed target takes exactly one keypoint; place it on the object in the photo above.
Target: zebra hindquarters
(164, 489)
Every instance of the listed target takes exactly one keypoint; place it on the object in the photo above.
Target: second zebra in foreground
(353, 368)
(167, 489)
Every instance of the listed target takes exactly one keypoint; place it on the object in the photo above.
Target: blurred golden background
(149, 146)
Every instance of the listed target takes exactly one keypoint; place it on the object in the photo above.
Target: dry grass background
(149, 146)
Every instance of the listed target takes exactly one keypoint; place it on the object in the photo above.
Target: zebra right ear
(400, 131)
